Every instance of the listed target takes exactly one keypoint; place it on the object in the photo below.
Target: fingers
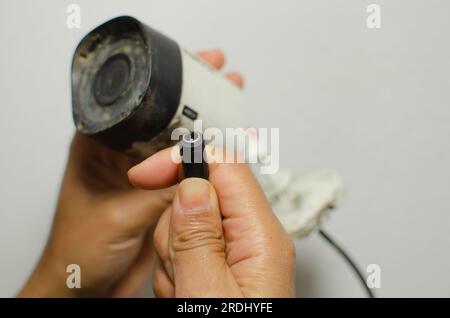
(235, 184)
(240, 195)
(196, 243)
(158, 171)
(236, 78)
(250, 228)
(215, 58)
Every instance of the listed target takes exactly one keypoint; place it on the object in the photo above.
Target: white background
(373, 105)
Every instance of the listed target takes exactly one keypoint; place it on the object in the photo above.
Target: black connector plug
(193, 158)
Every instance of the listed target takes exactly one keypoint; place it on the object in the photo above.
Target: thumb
(196, 243)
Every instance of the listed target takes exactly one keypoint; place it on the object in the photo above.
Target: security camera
(131, 86)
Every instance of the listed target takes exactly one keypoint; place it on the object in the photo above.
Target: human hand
(218, 238)
(102, 223)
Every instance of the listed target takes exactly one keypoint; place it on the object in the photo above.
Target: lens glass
(112, 79)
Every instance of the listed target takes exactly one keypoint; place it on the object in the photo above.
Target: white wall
(371, 104)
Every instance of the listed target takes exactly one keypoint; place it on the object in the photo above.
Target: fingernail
(194, 194)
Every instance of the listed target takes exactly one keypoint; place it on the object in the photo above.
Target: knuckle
(197, 236)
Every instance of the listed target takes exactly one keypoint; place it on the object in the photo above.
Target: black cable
(350, 262)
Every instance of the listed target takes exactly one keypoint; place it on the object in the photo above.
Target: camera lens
(111, 79)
